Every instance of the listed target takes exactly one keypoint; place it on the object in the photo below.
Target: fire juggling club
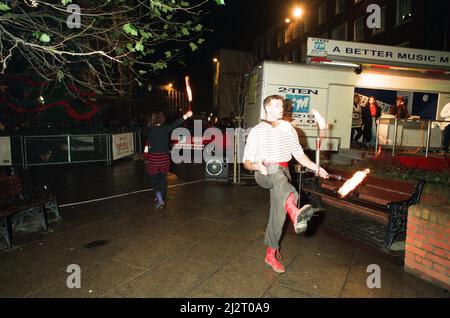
(189, 92)
(321, 127)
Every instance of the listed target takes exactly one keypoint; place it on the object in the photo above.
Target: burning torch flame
(188, 89)
(353, 182)
(319, 119)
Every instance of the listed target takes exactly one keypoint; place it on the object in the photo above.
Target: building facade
(230, 73)
(409, 23)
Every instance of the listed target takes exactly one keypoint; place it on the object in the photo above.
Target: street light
(298, 12)
(215, 60)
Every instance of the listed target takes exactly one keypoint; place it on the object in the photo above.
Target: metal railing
(65, 149)
(421, 139)
(43, 150)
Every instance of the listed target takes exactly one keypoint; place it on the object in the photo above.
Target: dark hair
(368, 100)
(270, 98)
(400, 110)
(157, 118)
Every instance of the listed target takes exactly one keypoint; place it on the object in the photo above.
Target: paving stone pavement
(207, 242)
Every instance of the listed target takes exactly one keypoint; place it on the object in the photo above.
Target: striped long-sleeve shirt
(272, 144)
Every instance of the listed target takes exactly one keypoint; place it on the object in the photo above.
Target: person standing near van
(356, 119)
(270, 146)
(400, 109)
(445, 112)
(157, 159)
(370, 113)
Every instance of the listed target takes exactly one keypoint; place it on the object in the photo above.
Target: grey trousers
(280, 188)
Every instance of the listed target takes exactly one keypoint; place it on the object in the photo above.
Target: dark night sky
(234, 26)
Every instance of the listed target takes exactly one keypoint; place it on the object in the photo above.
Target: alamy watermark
(214, 143)
(374, 279)
(74, 278)
(74, 19)
(374, 19)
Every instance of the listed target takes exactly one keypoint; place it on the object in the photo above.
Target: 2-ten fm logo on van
(300, 103)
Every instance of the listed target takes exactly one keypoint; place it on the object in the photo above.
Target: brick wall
(427, 251)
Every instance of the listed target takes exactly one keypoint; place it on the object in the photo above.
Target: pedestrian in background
(400, 109)
(370, 113)
(356, 119)
(157, 157)
(445, 113)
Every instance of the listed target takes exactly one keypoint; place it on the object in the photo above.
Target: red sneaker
(272, 256)
(299, 217)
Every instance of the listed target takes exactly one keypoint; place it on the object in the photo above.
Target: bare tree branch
(139, 36)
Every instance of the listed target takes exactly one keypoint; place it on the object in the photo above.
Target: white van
(330, 90)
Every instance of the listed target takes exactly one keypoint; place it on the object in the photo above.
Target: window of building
(358, 30)
(339, 32)
(269, 45)
(383, 22)
(307, 23)
(404, 11)
(324, 35)
(340, 6)
(303, 53)
(323, 13)
(297, 30)
(289, 33)
(255, 53)
(295, 58)
(281, 38)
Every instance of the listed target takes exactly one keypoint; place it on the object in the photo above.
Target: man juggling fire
(270, 146)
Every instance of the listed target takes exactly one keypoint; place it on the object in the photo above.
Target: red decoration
(86, 98)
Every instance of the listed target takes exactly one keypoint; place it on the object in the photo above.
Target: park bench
(387, 206)
(18, 202)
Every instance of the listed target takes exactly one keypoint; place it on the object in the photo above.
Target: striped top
(273, 144)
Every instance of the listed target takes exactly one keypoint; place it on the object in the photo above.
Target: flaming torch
(189, 92)
(353, 182)
(321, 127)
